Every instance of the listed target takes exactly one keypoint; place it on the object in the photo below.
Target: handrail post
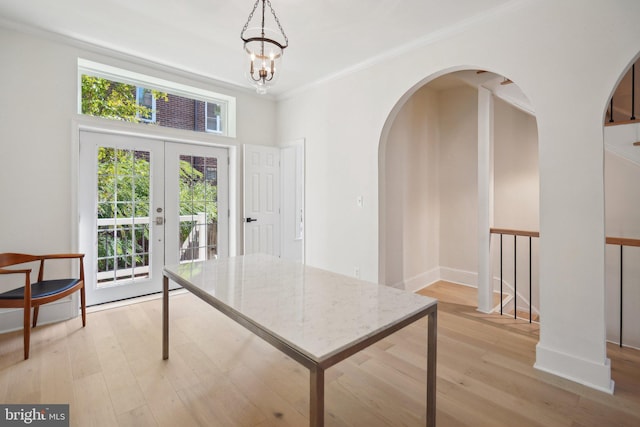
(621, 246)
(530, 300)
(500, 274)
(633, 92)
(611, 110)
(515, 277)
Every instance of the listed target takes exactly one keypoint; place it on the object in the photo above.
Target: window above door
(119, 94)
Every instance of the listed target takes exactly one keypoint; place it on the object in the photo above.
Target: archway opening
(622, 209)
(431, 199)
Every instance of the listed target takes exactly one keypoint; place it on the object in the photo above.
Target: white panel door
(261, 200)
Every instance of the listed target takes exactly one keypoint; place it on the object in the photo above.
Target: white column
(572, 249)
(485, 198)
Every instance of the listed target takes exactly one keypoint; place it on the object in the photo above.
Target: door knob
(251, 219)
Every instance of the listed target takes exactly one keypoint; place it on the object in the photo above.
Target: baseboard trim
(460, 277)
(421, 280)
(64, 309)
(585, 372)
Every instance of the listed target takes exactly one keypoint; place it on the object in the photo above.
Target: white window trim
(206, 119)
(153, 105)
(109, 72)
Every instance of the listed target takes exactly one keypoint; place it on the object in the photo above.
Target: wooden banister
(621, 122)
(622, 241)
(512, 232)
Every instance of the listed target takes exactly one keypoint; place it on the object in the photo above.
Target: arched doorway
(431, 201)
(622, 208)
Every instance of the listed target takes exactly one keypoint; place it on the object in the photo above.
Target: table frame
(316, 368)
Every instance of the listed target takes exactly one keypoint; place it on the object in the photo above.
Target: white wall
(412, 206)
(38, 82)
(458, 179)
(516, 169)
(343, 121)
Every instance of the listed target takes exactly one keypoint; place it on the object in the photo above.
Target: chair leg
(35, 315)
(83, 306)
(27, 331)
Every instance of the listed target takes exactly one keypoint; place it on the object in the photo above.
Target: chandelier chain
(273, 12)
(255, 6)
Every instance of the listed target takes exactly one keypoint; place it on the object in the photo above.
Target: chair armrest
(61, 256)
(27, 281)
(6, 271)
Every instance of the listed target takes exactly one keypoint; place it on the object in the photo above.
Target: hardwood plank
(91, 405)
(276, 409)
(137, 417)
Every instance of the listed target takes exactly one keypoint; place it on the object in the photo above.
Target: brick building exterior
(181, 113)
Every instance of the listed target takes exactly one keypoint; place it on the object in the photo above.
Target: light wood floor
(218, 374)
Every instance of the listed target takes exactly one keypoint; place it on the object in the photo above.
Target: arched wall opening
(429, 193)
(622, 208)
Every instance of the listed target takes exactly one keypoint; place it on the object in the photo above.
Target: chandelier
(264, 48)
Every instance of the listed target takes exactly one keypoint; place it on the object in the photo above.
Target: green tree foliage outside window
(114, 100)
(123, 192)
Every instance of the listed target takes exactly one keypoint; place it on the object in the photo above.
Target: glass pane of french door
(197, 202)
(123, 187)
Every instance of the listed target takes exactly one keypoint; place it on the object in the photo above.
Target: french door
(145, 203)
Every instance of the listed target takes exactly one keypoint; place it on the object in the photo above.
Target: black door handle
(250, 219)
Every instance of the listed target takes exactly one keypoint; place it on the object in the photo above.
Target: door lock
(159, 220)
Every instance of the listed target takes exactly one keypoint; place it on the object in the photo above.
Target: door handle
(159, 220)
(250, 219)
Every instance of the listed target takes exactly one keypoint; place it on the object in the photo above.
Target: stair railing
(622, 242)
(515, 233)
(617, 241)
(632, 118)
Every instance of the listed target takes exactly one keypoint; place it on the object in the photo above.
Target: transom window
(118, 94)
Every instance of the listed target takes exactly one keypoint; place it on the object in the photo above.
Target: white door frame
(292, 174)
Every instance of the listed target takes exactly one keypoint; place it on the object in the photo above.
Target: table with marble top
(316, 317)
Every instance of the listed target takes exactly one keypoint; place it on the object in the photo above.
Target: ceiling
(326, 37)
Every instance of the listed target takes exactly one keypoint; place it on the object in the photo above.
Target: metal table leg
(432, 342)
(165, 317)
(316, 403)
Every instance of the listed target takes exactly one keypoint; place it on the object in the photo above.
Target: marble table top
(314, 311)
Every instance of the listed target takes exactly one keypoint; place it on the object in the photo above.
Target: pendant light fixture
(264, 48)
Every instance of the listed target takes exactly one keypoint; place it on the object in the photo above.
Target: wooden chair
(40, 292)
